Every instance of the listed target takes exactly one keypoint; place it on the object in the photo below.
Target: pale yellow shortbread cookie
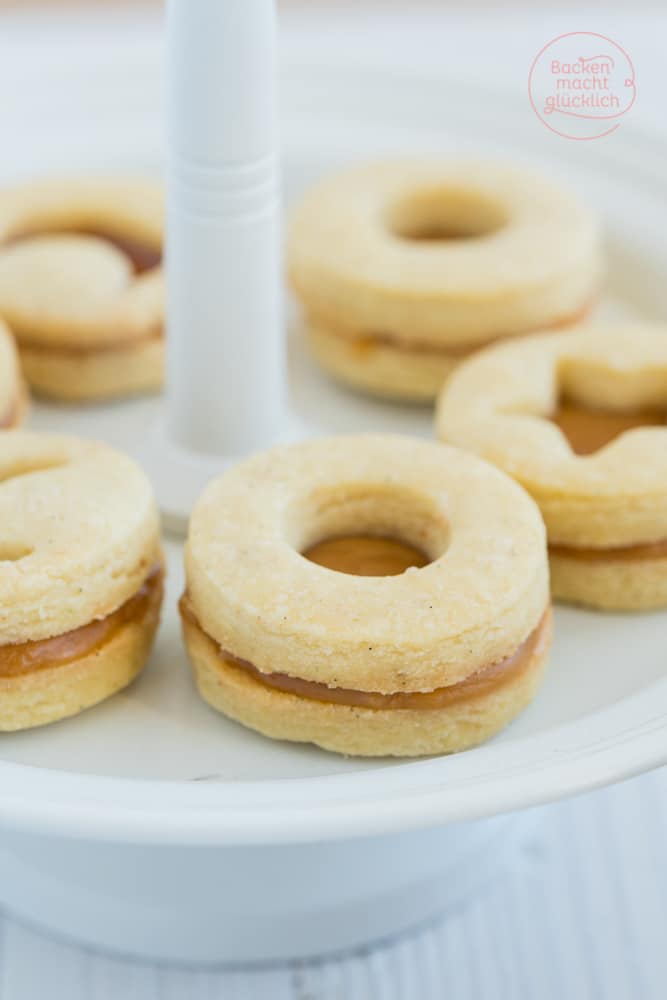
(578, 419)
(13, 392)
(80, 575)
(405, 267)
(444, 655)
(81, 284)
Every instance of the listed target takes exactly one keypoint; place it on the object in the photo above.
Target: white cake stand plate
(154, 827)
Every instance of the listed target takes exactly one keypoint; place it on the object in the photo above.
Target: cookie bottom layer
(89, 375)
(609, 585)
(380, 369)
(366, 732)
(397, 371)
(48, 694)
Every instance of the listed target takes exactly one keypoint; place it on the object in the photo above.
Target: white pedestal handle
(225, 350)
(225, 353)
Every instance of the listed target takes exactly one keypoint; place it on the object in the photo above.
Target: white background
(582, 913)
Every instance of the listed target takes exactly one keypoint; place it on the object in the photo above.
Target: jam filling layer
(483, 682)
(22, 658)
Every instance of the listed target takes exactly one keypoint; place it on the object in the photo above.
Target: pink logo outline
(629, 81)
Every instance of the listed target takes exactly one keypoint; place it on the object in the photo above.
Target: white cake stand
(152, 826)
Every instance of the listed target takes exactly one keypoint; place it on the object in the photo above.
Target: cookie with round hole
(578, 419)
(81, 284)
(371, 594)
(403, 268)
(81, 574)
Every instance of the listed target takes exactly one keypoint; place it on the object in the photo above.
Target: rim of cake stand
(602, 747)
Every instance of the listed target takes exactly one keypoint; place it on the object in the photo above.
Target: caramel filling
(366, 555)
(143, 256)
(365, 343)
(10, 416)
(27, 657)
(589, 430)
(619, 553)
(89, 350)
(483, 682)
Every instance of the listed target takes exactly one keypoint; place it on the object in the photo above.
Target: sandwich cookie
(578, 419)
(81, 284)
(404, 268)
(13, 392)
(371, 594)
(80, 575)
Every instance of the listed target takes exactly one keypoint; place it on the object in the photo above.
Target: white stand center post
(225, 351)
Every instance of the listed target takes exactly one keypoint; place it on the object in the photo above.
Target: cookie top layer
(484, 591)
(78, 533)
(499, 404)
(442, 252)
(61, 281)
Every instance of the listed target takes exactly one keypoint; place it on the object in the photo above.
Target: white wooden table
(582, 911)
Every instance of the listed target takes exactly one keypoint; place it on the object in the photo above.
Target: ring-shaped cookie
(405, 267)
(578, 419)
(81, 284)
(13, 392)
(80, 575)
(432, 660)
